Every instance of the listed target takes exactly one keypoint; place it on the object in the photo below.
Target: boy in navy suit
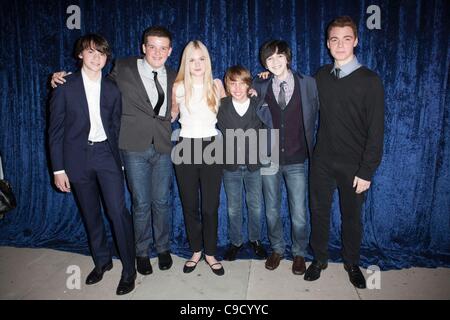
(83, 137)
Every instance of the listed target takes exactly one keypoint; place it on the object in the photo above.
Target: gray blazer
(140, 127)
(310, 104)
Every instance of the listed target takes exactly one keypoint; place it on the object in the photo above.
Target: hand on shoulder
(220, 89)
(58, 78)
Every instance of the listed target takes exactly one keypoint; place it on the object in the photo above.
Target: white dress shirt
(146, 73)
(92, 90)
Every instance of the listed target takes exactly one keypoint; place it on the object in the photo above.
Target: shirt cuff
(59, 172)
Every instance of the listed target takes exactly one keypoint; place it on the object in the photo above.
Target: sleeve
(117, 113)
(179, 93)
(256, 85)
(373, 150)
(56, 128)
(174, 107)
(220, 121)
(116, 118)
(113, 74)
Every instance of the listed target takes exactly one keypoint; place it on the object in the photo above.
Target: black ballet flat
(220, 271)
(187, 269)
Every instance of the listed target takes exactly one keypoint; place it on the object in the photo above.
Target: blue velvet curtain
(406, 214)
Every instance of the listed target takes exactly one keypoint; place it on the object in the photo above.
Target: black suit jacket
(70, 124)
(140, 127)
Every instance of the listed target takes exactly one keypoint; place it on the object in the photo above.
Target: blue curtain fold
(406, 215)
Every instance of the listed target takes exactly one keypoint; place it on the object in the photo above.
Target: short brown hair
(343, 21)
(92, 41)
(238, 72)
(275, 46)
(157, 31)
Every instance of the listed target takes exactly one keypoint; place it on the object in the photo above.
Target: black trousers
(326, 176)
(200, 183)
(103, 176)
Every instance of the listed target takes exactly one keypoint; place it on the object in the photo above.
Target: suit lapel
(141, 89)
(304, 96)
(82, 91)
(306, 111)
(171, 75)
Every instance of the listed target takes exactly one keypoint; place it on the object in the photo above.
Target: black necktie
(160, 93)
(282, 96)
(336, 72)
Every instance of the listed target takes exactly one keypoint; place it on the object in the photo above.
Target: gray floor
(50, 274)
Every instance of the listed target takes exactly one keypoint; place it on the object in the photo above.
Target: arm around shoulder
(175, 108)
(220, 88)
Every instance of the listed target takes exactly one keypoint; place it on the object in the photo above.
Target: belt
(91, 143)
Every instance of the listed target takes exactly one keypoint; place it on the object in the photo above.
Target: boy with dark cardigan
(240, 124)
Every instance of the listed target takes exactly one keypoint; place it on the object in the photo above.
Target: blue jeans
(295, 178)
(149, 177)
(234, 181)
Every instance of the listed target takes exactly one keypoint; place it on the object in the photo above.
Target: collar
(241, 104)
(347, 68)
(88, 80)
(148, 69)
(289, 79)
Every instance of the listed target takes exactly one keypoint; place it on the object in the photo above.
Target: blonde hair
(210, 90)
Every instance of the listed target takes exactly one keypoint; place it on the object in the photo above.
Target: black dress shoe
(164, 260)
(189, 269)
(143, 265)
(314, 269)
(126, 285)
(355, 275)
(231, 253)
(97, 275)
(220, 271)
(258, 249)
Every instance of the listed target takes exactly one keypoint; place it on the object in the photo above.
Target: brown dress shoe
(273, 261)
(298, 265)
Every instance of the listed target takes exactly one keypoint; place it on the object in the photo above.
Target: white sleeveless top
(199, 121)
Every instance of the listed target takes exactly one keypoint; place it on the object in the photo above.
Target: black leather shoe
(258, 249)
(125, 285)
(232, 252)
(220, 271)
(314, 269)
(97, 275)
(355, 275)
(273, 261)
(189, 269)
(164, 260)
(143, 265)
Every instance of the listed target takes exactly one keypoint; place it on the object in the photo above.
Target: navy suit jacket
(70, 124)
(310, 104)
